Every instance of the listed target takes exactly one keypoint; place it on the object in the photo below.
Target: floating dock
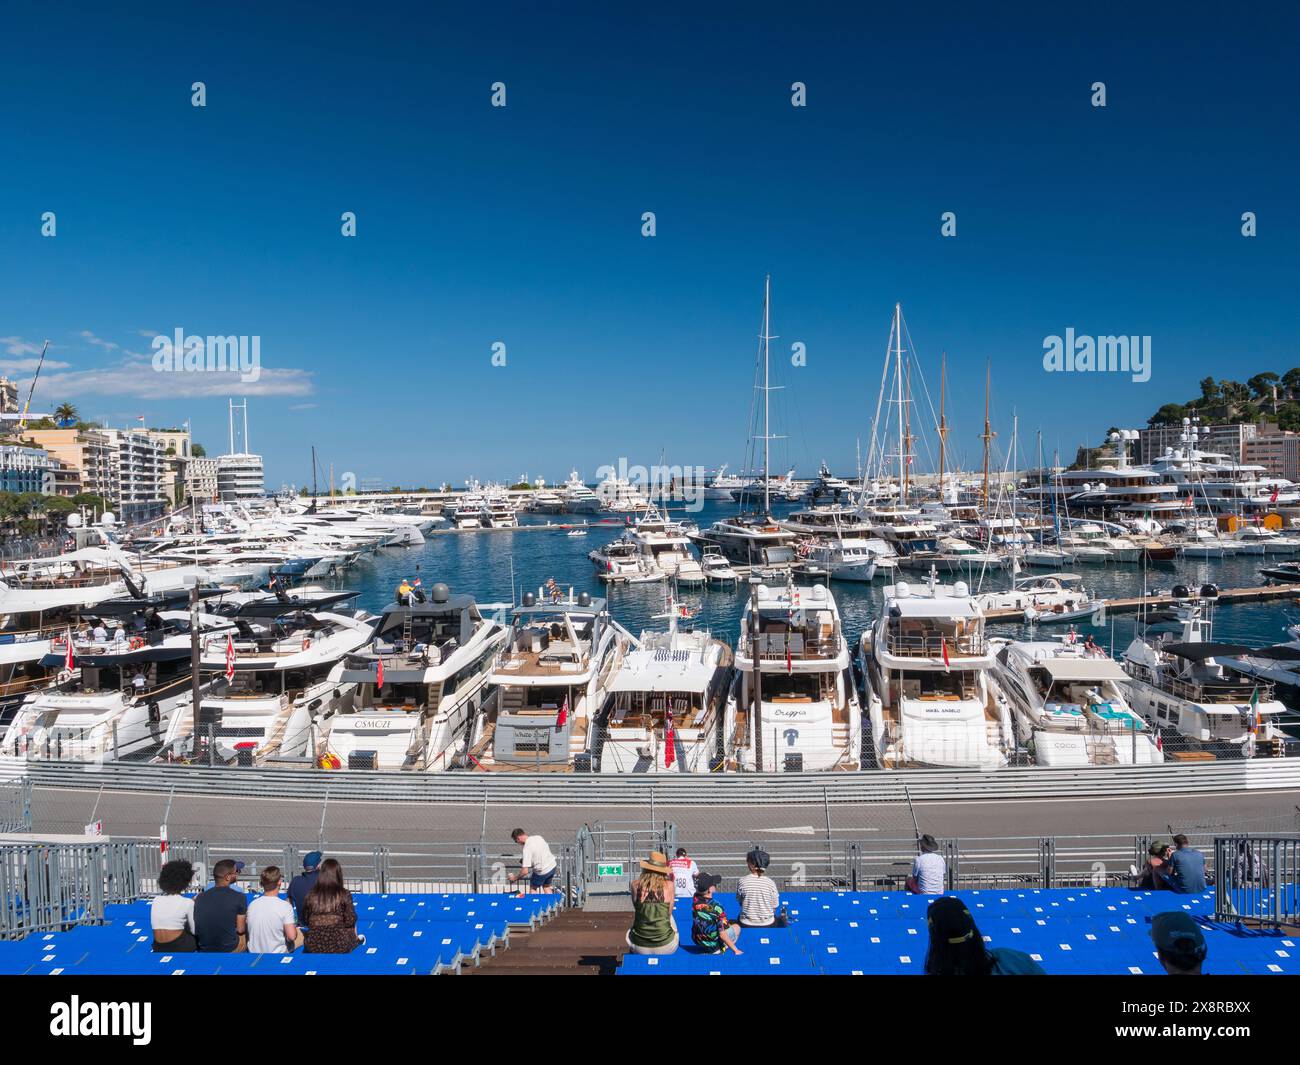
(1133, 604)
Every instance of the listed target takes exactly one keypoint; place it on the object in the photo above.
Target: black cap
(1178, 936)
(704, 881)
(759, 858)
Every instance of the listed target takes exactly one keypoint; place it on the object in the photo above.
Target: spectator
(170, 913)
(929, 870)
(271, 928)
(301, 885)
(1152, 876)
(329, 914)
(684, 873)
(653, 929)
(99, 634)
(957, 948)
(220, 913)
(1184, 870)
(757, 894)
(1180, 945)
(537, 861)
(710, 929)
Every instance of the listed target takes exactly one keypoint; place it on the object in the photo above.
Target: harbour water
(481, 564)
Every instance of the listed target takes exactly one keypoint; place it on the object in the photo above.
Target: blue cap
(311, 859)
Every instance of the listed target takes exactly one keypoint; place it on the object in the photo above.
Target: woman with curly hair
(170, 913)
(328, 914)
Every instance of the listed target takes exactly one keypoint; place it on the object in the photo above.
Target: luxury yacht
(664, 709)
(1176, 682)
(622, 561)
(832, 520)
(926, 667)
(1050, 597)
(469, 508)
(1069, 705)
(550, 680)
(806, 715)
(276, 683)
(665, 547)
(498, 510)
(578, 498)
(722, 486)
(420, 686)
(847, 559)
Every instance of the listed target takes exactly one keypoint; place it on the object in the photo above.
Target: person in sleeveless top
(653, 929)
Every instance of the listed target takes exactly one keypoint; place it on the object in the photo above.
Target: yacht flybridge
(793, 705)
(1178, 683)
(664, 709)
(550, 679)
(276, 683)
(928, 688)
(420, 685)
(1069, 704)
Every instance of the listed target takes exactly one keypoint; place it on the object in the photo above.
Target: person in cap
(1152, 875)
(1180, 944)
(757, 894)
(653, 929)
(957, 948)
(220, 913)
(929, 870)
(1184, 869)
(300, 886)
(710, 929)
(404, 592)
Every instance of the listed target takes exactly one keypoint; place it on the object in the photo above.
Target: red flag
(563, 715)
(943, 642)
(1160, 743)
(670, 741)
(69, 663)
(230, 659)
(379, 672)
(1276, 490)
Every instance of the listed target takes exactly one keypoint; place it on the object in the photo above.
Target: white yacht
(578, 498)
(275, 684)
(1178, 684)
(807, 715)
(926, 667)
(420, 681)
(498, 511)
(665, 547)
(830, 520)
(622, 561)
(619, 496)
(550, 680)
(717, 570)
(1044, 598)
(722, 486)
(664, 708)
(1069, 705)
(469, 508)
(847, 559)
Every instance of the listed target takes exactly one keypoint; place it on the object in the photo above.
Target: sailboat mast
(987, 436)
(767, 431)
(898, 376)
(907, 417)
(943, 420)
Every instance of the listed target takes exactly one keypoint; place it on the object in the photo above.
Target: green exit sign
(609, 869)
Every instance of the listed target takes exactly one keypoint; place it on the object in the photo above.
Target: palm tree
(65, 412)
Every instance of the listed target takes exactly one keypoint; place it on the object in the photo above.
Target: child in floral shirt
(710, 928)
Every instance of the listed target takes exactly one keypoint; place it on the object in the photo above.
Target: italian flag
(1254, 710)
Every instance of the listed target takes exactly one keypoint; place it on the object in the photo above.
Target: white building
(201, 479)
(240, 477)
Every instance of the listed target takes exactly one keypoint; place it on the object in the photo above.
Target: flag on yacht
(69, 663)
(670, 741)
(230, 659)
(943, 643)
(379, 672)
(563, 715)
(1254, 710)
(1160, 743)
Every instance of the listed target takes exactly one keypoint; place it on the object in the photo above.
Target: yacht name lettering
(1110, 354)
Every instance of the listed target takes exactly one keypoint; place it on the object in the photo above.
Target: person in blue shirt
(957, 948)
(1185, 869)
(300, 886)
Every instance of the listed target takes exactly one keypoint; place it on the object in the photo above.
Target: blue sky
(523, 224)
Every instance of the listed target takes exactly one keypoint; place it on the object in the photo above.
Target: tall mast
(943, 419)
(987, 436)
(907, 466)
(767, 439)
(898, 375)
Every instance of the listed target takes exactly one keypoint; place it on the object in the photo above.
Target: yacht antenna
(987, 436)
(312, 510)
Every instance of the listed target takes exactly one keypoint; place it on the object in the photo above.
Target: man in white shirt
(929, 870)
(271, 928)
(537, 862)
(684, 873)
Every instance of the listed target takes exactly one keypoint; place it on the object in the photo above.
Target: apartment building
(22, 469)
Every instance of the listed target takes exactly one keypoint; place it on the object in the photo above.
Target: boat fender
(306, 642)
(135, 643)
(155, 715)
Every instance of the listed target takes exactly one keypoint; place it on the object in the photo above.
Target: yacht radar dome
(74, 521)
(529, 599)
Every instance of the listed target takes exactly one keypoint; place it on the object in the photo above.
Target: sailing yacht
(929, 689)
(1179, 684)
(550, 680)
(664, 708)
(420, 681)
(1069, 704)
(801, 712)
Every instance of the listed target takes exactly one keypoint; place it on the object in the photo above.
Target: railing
(1215, 692)
(776, 647)
(1258, 880)
(15, 806)
(902, 646)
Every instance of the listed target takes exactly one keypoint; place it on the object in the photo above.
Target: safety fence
(1259, 880)
(15, 805)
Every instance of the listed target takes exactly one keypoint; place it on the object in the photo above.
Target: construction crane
(22, 422)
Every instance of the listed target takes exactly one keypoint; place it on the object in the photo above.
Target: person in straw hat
(653, 929)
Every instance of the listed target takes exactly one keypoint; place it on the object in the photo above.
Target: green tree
(1169, 414)
(1261, 385)
(198, 451)
(65, 412)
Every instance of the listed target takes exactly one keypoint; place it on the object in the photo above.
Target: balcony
(931, 645)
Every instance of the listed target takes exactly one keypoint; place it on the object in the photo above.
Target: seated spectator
(757, 894)
(710, 929)
(271, 928)
(957, 948)
(329, 915)
(653, 929)
(220, 913)
(684, 873)
(171, 914)
(929, 870)
(301, 885)
(1152, 875)
(1180, 944)
(1184, 869)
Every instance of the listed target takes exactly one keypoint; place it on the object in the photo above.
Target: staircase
(576, 943)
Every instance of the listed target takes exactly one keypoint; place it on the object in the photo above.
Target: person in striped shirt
(757, 894)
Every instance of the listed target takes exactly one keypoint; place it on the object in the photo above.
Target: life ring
(135, 643)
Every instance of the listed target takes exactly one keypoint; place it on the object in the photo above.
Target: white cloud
(29, 365)
(140, 380)
(303, 406)
(148, 333)
(90, 338)
(19, 346)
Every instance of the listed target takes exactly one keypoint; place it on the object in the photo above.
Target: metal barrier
(47, 888)
(15, 806)
(1258, 880)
